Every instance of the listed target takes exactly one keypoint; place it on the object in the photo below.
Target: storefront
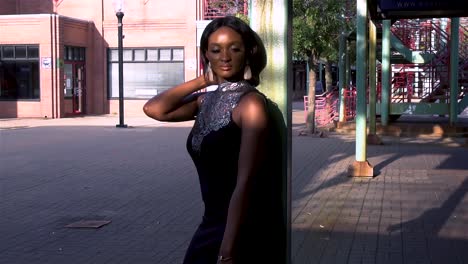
(43, 65)
(61, 60)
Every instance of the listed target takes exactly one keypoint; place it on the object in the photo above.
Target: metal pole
(307, 77)
(372, 79)
(454, 38)
(320, 72)
(361, 76)
(347, 77)
(386, 72)
(361, 167)
(341, 74)
(272, 20)
(121, 97)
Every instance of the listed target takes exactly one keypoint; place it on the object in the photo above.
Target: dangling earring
(209, 73)
(247, 72)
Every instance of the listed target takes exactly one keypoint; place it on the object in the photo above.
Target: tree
(317, 25)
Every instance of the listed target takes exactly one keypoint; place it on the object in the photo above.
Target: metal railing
(326, 108)
(219, 8)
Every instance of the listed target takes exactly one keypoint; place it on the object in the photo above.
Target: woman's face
(226, 54)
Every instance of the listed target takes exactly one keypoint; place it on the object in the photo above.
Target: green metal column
(341, 75)
(272, 20)
(307, 77)
(454, 38)
(386, 73)
(372, 79)
(320, 72)
(271, 25)
(347, 64)
(361, 76)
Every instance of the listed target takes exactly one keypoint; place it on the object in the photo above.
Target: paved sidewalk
(413, 211)
(56, 172)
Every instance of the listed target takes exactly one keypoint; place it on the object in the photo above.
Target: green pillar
(386, 73)
(361, 76)
(320, 71)
(372, 79)
(307, 77)
(271, 25)
(347, 64)
(361, 167)
(372, 138)
(341, 75)
(272, 20)
(454, 38)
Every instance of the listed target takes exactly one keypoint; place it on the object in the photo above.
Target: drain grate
(88, 224)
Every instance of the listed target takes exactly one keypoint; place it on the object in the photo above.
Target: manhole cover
(88, 224)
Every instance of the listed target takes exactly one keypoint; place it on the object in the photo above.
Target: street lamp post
(119, 13)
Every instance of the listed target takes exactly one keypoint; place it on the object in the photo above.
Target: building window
(74, 53)
(19, 72)
(146, 71)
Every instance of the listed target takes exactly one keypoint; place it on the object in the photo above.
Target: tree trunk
(328, 76)
(310, 123)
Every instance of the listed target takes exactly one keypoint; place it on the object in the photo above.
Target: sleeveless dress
(214, 144)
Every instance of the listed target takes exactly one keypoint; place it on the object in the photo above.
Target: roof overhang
(399, 9)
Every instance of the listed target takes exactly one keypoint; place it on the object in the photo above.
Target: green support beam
(372, 77)
(372, 138)
(347, 64)
(361, 76)
(409, 55)
(341, 74)
(386, 72)
(361, 167)
(416, 108)
(454, 89)
(320, 71)
(272, 20)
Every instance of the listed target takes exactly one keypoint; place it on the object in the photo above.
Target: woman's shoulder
(256, 98)
(252, 102)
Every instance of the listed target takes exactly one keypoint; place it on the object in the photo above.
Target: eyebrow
(231, 43)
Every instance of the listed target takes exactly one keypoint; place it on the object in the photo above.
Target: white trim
(201, 25)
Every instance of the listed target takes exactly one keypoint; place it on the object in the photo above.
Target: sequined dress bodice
(214, 143)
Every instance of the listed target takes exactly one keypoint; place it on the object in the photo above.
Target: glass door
(79, 89)
(75, 86)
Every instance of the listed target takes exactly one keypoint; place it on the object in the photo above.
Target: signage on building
(46, 62)
(419, 5)
(415, 9)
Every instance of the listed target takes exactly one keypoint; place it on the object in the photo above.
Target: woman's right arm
(178, 103)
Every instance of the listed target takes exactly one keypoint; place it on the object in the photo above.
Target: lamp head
(118, 6)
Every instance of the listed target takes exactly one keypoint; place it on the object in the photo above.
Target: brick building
(59, 57)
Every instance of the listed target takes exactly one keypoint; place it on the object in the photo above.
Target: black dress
(214, 145)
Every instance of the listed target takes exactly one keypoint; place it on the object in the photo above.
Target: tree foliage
(316, 27)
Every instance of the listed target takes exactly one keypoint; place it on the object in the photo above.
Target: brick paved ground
(140, 178)
(55, 172)
(414, 211)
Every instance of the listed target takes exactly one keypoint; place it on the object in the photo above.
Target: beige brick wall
(8, 7)
(34, 6)
(30, 29)
(92, 24)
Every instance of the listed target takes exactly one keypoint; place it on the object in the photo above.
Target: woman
(236, 145)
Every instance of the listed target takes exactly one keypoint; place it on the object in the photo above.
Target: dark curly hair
(255, 50)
